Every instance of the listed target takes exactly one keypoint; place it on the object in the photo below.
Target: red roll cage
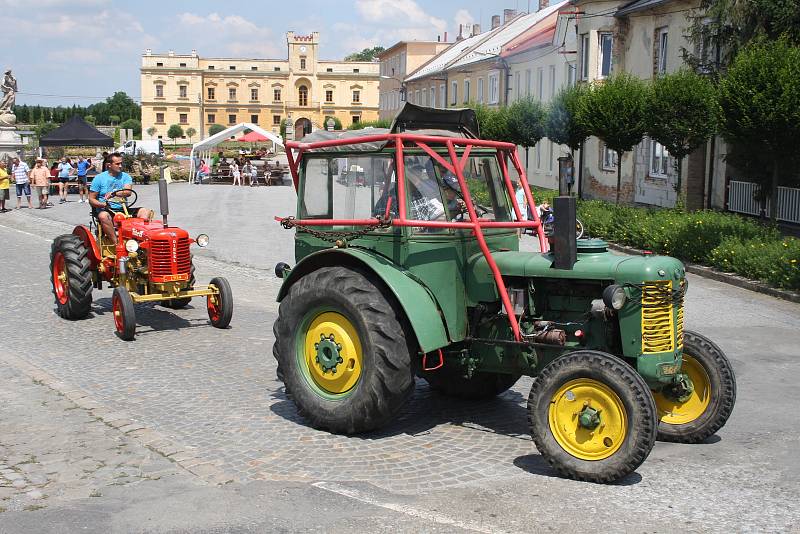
(400, 141)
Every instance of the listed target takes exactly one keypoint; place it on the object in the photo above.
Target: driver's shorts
(111, 211)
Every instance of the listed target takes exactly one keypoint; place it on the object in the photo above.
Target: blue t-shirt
(105, 183)
(83, 166)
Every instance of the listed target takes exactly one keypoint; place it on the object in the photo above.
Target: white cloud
(464, 17)
(233, 36)
(399, 12)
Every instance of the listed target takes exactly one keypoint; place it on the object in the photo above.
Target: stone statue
(9, 87)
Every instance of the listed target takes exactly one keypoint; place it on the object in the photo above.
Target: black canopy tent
(76, 132)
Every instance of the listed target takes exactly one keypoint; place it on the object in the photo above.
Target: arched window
(303, 96)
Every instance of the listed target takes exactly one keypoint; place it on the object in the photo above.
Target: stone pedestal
(10, 142)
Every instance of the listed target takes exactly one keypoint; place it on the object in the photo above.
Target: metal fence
(742, 198)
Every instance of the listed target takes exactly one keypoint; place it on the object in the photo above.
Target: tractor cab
(408, 263)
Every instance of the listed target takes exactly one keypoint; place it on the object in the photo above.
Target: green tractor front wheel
(592, 416)
(342, 353)
(692, 413)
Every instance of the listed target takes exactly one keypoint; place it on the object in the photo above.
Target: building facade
(395, 63)
(196, 92)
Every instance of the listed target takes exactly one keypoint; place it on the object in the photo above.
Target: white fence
(742, 199)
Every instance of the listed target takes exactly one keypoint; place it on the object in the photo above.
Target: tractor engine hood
(141, 231)
(594, 263)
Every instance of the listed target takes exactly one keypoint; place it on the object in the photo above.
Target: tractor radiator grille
(168, 258)
(679, 318)
(658, 334)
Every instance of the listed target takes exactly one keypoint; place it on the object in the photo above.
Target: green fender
(419, 306)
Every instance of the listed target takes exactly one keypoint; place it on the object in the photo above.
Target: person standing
(235, 173)
(64, 171)
(84, 164)
(40, 179)
(20, 170)
(5, 184)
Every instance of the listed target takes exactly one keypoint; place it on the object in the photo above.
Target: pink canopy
(252, 137)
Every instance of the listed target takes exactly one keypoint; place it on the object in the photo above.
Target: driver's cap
(452, 182)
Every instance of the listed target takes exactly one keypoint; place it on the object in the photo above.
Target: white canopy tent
(202, 149)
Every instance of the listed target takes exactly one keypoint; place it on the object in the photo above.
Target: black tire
(720, 389)
(221, 312)
(73, 295)
(634, 400)
(450, 381)
(178, 304)
(123, 313)
(385, 379)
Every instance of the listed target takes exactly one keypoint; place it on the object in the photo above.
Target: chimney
(171, 53)
(438, 38)
(445, 37)
(460, 34)
(476, 29)
(495, 21)
(543, 4)
(508, 14)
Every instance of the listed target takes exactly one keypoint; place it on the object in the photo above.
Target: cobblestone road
(209, 400)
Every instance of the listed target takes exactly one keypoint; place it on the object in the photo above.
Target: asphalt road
(209, 442)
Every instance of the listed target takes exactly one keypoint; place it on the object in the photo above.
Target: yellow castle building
(196, 92)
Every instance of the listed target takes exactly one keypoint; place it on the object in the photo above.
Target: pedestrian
(20, 170)
(65, 169)
(5, 184)
(248, 172)
(40, 179)
(235, 173)
(104, 166)
(84, 165)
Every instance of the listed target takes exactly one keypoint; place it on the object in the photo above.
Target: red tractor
(151, 262)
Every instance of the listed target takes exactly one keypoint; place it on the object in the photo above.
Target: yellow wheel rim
(332, 337)
(674, 412)
(566, 407)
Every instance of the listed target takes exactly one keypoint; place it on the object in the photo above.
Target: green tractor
(408, 264)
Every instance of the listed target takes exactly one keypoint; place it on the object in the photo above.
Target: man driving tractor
(103, 187)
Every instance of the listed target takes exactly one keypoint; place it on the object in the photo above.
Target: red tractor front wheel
(124, 314)
(220, 306)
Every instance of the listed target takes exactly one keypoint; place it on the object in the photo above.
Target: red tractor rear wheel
(71, 277)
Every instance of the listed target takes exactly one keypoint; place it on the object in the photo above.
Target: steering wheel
(126, 201)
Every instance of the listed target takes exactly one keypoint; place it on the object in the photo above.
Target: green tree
(526, 123)
(283, 129)
(190, 132)
(760, 103)
(565, 125)
(682, 114)
(45, 128)
(90, 119)
(113, 119)
(152, 131)
(174, 132)
(368, 54)
(492, 122)
(380, 123)
(214, 129)
(133, 124)
(721, 28)
(616, 112)
(337, 124)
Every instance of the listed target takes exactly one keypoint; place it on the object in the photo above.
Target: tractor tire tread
(78, 266)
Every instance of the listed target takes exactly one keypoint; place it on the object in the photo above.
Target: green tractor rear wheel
(695, 415)
(450, 381)
(592, 416)
(342, 350)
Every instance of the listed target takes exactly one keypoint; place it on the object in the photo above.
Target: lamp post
(289, 127)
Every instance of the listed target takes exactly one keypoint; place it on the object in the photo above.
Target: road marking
(402, 508)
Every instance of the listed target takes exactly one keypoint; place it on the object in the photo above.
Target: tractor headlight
(614, 297)
(202, 240)
(131, 245)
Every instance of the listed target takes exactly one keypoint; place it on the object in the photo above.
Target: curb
(720, 276)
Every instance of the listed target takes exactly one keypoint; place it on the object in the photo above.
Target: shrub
(774, 262)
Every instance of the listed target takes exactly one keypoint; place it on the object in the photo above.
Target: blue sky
(90, 48)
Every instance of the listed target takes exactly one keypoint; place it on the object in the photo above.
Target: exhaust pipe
(565, 242)
(162, 197)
